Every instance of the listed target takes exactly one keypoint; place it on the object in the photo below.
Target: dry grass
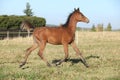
(101, 50)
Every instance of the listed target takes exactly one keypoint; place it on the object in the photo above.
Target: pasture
(100, 49)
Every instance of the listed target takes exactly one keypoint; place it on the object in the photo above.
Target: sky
(56, 11)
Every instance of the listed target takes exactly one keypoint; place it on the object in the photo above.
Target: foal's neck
(72, 25)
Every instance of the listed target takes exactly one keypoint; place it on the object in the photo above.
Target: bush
(13, 22)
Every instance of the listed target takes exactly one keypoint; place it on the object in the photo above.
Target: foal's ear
(78, 9)
(74, 9)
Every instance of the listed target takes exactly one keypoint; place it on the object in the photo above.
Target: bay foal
(61, 35)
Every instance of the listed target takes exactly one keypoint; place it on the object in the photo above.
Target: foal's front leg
(66, 54)
(79, 53)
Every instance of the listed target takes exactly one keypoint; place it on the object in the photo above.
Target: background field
(101, 50)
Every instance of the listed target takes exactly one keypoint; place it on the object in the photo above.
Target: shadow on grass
(75, 61)
(92, 56)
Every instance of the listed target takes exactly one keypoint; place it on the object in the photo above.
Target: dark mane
(67, 21)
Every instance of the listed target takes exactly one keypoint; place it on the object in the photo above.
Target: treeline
(100, 27)
(13, 22)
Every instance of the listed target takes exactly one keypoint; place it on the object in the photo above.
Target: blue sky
(56, 11)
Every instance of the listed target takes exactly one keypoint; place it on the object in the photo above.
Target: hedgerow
(13, 22)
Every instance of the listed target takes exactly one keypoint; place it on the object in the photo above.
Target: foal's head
(79, 16)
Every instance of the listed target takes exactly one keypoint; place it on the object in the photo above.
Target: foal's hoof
(22, 64)
(58, 63)
(86, 65)
(49, 65)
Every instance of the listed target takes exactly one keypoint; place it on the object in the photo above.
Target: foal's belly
(54, 40)
(59, 40)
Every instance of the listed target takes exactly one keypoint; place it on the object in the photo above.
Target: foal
(62, 35)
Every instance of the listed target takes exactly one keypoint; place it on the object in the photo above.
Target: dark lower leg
(41, 56)
(83, 60)
(79, 54)
(28, 51)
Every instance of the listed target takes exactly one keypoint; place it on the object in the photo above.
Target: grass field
(100, 49)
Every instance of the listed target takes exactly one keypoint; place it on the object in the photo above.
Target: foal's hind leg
(40, 53)
(28, 51)
(78, 53)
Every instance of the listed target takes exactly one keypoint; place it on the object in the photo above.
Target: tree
(109, 27)
(93, 28)
(28, 11)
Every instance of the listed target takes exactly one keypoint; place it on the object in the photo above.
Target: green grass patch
(100, 49)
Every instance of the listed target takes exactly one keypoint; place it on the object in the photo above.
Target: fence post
(7, 34)
(77, 39)
(28, 33)
(19, 33)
